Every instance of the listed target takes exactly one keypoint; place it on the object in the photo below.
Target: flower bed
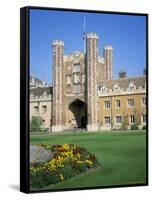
(68, 161)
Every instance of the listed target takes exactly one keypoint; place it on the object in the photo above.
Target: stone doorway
(78, 109)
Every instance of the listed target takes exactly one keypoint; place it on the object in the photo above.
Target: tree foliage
(35, 124)
(125, 122)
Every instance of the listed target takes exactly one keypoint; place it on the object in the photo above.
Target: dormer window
(116, 88)
(132, 86)
(103, 89)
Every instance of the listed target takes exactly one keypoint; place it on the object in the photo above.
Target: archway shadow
(79, 110)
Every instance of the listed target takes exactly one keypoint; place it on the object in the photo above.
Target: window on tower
(76, 78)
(76, 68)
(68, 80)
(76, 88)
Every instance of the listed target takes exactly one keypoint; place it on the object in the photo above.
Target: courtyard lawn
(122, 155)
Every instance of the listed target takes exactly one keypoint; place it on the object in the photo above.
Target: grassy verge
(122, 155)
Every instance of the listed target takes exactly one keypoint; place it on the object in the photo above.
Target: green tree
(137, 116)
(35, 124)
(125, 122)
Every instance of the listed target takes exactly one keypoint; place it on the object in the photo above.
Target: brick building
(84, 94)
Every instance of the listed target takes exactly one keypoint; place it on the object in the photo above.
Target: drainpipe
(38, 108)
(111, 112)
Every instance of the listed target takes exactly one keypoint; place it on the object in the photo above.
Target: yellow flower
(61, 176)
(89, 162)
(79, 161)
(78, 155)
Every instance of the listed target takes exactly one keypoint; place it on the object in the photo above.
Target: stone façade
(82, 83)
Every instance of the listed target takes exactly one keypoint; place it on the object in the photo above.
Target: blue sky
(126, 33)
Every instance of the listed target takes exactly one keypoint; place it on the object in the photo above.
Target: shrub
(41, 178)
(125, 123)
(144, 128)
(68, 161)
(134, 127)
(35, 124)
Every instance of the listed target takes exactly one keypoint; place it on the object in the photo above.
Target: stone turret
(58, 53)
(108, 52)
(92, 66)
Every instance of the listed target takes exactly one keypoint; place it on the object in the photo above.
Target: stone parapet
(108, 47)
(58, 42)
(92, 36)
(120, 93)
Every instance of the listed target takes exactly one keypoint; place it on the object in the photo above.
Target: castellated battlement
(108, 47)
(92, 35)
(58, 42)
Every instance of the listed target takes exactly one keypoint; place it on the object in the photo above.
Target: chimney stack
(122, 74)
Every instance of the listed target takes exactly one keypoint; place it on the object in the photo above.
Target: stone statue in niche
(68, 80)
(76, 77)
(83, 78)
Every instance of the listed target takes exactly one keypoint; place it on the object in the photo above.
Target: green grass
(121, 154)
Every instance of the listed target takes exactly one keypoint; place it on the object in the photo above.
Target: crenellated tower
(92, 77)
(76, 78)
(58, 53)
(108, 51)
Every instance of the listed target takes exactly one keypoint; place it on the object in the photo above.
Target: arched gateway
(75, 78)
(77, 114)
